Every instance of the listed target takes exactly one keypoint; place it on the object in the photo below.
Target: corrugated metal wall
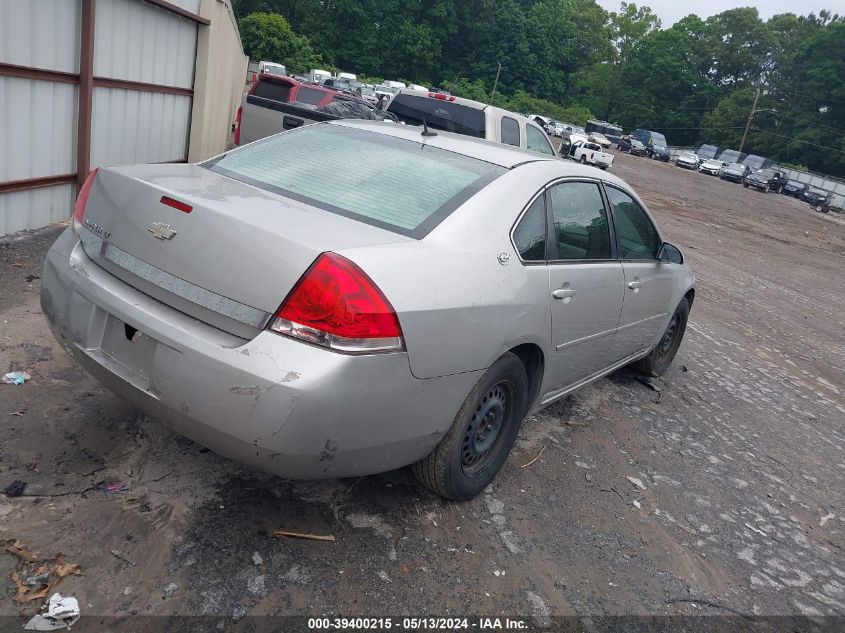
(144, 60)
(37, 118)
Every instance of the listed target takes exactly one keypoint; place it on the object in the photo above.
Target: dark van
(757, 163)
(731, 156)
(708, 151)
(655, 144)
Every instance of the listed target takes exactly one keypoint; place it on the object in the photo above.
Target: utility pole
(495, 83)
(750, 116)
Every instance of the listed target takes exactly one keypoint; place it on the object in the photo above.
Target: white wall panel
(138, 127)
(40, 33)
(35, 208)
(138, 41)
(37, 128)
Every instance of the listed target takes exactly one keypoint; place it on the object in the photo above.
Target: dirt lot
(741, 456)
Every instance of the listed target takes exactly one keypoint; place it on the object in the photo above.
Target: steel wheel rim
(668, 340)
(486, 427)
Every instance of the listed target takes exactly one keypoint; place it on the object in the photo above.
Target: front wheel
(583, 160)
(660, 358)
(745, 184)
(479, 441)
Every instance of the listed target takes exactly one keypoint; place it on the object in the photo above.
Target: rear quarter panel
(460, 308)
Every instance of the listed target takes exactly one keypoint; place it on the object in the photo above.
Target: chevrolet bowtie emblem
(162, 231)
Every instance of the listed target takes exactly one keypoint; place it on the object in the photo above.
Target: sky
(670, 11)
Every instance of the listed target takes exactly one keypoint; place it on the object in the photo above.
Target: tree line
(695, 81)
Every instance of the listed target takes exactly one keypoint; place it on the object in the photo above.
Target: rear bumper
(274, 403)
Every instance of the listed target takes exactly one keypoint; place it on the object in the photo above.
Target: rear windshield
(275, 90)
(438, 114)
(310, 95)
(403, 186)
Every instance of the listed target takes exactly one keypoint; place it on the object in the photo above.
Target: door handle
(563, 293)
(633, 285)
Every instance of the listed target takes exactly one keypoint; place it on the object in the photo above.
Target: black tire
(660, 358)
(467, 459)
(745, 184)
(583, 159)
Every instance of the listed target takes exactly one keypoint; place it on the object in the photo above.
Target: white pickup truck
(588, 153)
(449, 113)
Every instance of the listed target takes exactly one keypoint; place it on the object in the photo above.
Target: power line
(792, 138)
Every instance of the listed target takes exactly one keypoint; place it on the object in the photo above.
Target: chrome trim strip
(172, 284)
(556, 395)
(640, 322)
(584, 339)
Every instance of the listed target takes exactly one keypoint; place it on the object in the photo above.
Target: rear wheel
(477, 444)
(583, 160)
(660, 358)
(745, 184)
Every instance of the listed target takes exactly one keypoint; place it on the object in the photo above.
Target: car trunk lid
(230, 259)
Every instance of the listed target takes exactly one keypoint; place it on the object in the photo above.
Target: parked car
(655, 144)
(765, 180)
(587, 153)
(794, 188)
(319, 76)
(608, 130)
(757, 162)
(712, 166)
(339, 337)
(473, 118)
(558, 129)
(601, 139)
(632, 146)
(367, 94)
(417, 87)
(735, 172)
(338, 84)
(687, 160)
(395, 84)
(708, 151)
(275, 104)
(272, 68)
(730, 156)
(815, 197)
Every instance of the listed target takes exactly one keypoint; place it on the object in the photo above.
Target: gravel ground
(720, 494)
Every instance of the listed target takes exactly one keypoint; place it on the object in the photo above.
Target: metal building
(86, 83)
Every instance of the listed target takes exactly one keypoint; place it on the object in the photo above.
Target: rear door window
(635, 233)
(581, 230)
(275, 90)
(529, 236)
(510, 131)
(537, 141)
(438, 114)
(400, 185)
(309, 95)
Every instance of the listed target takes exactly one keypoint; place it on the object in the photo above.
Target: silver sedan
(353, 297)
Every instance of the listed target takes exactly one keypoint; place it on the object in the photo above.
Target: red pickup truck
(276, 103)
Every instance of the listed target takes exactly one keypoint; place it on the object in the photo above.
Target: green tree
(268, 36)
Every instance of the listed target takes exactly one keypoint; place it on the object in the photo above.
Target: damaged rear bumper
(274, 403)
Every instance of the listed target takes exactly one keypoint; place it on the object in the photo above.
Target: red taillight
(335, 304)
(238, 125)
(441, 96)
(82, 200)
(176, 204)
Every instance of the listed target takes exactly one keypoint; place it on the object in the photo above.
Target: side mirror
(670, 254)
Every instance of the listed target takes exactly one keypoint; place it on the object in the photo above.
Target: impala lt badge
(162, 231)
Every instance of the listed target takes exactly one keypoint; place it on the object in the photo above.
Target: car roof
(507, 156)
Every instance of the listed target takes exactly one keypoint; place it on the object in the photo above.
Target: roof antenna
(426, 131)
